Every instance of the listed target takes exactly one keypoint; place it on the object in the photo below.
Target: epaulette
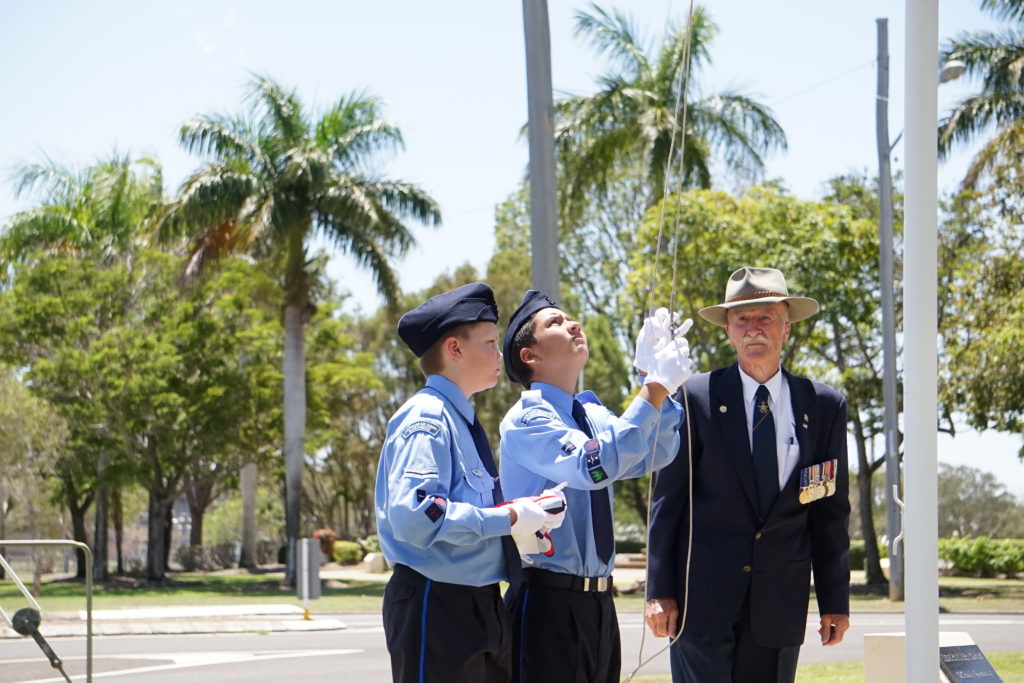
(531, 398)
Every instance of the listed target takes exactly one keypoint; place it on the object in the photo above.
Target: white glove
(654, 334)
(553, 502)
(537, 543)
(529, 516)
(671, 365)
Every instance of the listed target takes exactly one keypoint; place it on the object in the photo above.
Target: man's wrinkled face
(758, 334)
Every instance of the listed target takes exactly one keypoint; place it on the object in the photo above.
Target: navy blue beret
(533, 301)
(424, 325)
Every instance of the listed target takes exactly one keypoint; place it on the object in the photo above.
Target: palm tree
(633, 121)
(98, 211)
(997, 58)
(276, 179)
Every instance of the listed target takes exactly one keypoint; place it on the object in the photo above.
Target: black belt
(583, 584)
(409, 574)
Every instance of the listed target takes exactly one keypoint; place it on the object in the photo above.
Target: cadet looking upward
(566, 627)
(436, 492)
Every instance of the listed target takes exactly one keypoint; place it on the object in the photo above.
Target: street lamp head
(952, 70)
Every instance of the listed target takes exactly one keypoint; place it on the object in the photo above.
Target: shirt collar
(451, 391)
(750, 386)
(555, 396)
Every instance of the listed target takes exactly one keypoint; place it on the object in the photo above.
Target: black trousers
(564, 635)
(445, 633)
(731, 657)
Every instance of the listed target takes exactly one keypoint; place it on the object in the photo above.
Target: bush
(630, 546)
(983, 556)
(327, 537)
(347, 552)
(371, 544)
(857, 554)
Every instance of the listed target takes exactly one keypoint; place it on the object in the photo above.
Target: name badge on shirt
(818, 481)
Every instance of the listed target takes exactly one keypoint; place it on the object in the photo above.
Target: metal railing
(32, 601)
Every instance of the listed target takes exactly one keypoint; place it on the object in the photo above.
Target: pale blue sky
(80, 78)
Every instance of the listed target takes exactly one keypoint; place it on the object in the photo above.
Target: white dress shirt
(786, 447)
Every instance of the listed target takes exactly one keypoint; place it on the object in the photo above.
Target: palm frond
(613, 34)
(281, 111)
(1005, 9)
(58, 183)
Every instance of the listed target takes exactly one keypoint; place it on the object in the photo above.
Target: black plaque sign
(963, 663)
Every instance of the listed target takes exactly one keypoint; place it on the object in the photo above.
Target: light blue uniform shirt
(434, 497)
(541, 446)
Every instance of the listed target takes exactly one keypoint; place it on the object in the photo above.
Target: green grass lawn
(957, 594)
(1009, 666)
(199, 589)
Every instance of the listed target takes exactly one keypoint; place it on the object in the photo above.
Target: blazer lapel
(805, 416)
(728, 410)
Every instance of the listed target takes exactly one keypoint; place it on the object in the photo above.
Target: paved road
(357, 654)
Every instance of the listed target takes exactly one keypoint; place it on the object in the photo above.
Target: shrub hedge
(983, 556)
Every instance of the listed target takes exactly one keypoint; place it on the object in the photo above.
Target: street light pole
(541, 136)
(885, 229)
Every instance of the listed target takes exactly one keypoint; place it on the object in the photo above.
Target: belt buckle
(596, 583)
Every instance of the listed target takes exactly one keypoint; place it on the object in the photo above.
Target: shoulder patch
(534, 414)
(436, 509)
(428, 426)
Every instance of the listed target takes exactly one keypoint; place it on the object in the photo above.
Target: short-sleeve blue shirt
(541, 446)
(434, 497)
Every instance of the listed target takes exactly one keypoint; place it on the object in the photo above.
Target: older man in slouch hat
(733, 548)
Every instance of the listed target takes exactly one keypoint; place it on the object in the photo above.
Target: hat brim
(800, 308)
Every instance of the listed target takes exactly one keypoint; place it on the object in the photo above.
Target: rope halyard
(682, 87)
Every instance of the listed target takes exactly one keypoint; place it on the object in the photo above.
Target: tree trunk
(99, 550)
(4, 507)
(199, 494)
(295, 312)
(872, 561)
(157, 540)
(117, 512)
(78, 531)
(247, 483)
(168, 533)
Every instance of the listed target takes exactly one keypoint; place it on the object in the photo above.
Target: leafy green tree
(275, 179)
(981, 304)
(975, 503)
(828, 250)
(633, 121)
(994, 57)
(96, 213)
(33, 436)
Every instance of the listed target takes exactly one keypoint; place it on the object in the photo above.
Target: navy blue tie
(766, 463)
(513, 565)
(600, 506)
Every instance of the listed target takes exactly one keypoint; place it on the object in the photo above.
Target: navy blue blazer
(733, 550)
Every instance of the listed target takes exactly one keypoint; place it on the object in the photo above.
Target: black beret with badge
(424, 325)
(533, 301)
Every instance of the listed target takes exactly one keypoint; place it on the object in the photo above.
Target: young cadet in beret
(566, 628)
(436, 496)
